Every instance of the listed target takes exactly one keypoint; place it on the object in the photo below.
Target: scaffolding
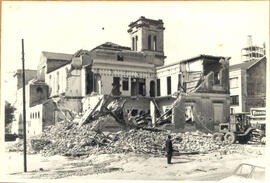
(252, 52)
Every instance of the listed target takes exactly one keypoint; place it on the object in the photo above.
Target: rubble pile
(71, 139)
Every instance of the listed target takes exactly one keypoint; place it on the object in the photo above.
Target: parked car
(252, 170)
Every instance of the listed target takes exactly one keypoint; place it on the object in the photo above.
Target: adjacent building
(248, 80)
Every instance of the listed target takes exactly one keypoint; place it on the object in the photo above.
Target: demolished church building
(76, 82)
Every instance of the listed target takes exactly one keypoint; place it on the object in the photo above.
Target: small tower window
(155, 43)
(149, 42)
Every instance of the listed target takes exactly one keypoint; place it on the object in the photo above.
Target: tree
(9, 113)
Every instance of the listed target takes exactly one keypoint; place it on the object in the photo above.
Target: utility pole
(24, 112)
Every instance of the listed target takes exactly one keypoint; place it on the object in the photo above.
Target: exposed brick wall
(256, 85)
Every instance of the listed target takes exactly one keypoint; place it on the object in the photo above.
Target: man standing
(169, 149)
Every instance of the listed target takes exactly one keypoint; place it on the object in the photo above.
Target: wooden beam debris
(89, 112)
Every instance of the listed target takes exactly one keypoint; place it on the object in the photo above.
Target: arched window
(38, 114)
(149, 42)
(155, 43)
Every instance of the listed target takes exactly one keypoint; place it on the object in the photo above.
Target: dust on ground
(212, 166)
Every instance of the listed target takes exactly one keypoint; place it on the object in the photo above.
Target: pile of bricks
(70, 139)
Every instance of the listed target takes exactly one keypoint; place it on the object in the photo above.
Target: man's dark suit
(169, 150)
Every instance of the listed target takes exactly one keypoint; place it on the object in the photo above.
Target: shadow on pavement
(180, 162)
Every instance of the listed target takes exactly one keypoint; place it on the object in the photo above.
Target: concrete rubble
(70, 139)
(104, 131)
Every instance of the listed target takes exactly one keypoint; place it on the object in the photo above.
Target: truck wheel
(217, 137)
(229, 137)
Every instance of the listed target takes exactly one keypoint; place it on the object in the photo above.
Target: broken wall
(209, 110)
(73, 104)
(38, 94)
(178, 114)
(57, 81)
(136, 106)
(220, 70)
(29, 75)
(49, 116)
(74, 88)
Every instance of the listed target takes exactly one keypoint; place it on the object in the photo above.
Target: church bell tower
(147, 37)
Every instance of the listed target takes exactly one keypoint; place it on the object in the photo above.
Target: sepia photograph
(134, 91)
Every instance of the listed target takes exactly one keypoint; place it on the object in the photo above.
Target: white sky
(192, 28)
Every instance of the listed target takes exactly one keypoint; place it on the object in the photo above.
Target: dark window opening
(142, 87)
(158, 87)
(125, 84)
(155, 43)
(133, 87)
(152, 89)
(179, 82)
(137, 86)
(142, 113)
(169, 90)
(116, 86)
(224, 127)
(234, 100)
(149, 42)
(134, 112)
(39, 90)
(133, 43)
(89, 82)
(120, 58)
